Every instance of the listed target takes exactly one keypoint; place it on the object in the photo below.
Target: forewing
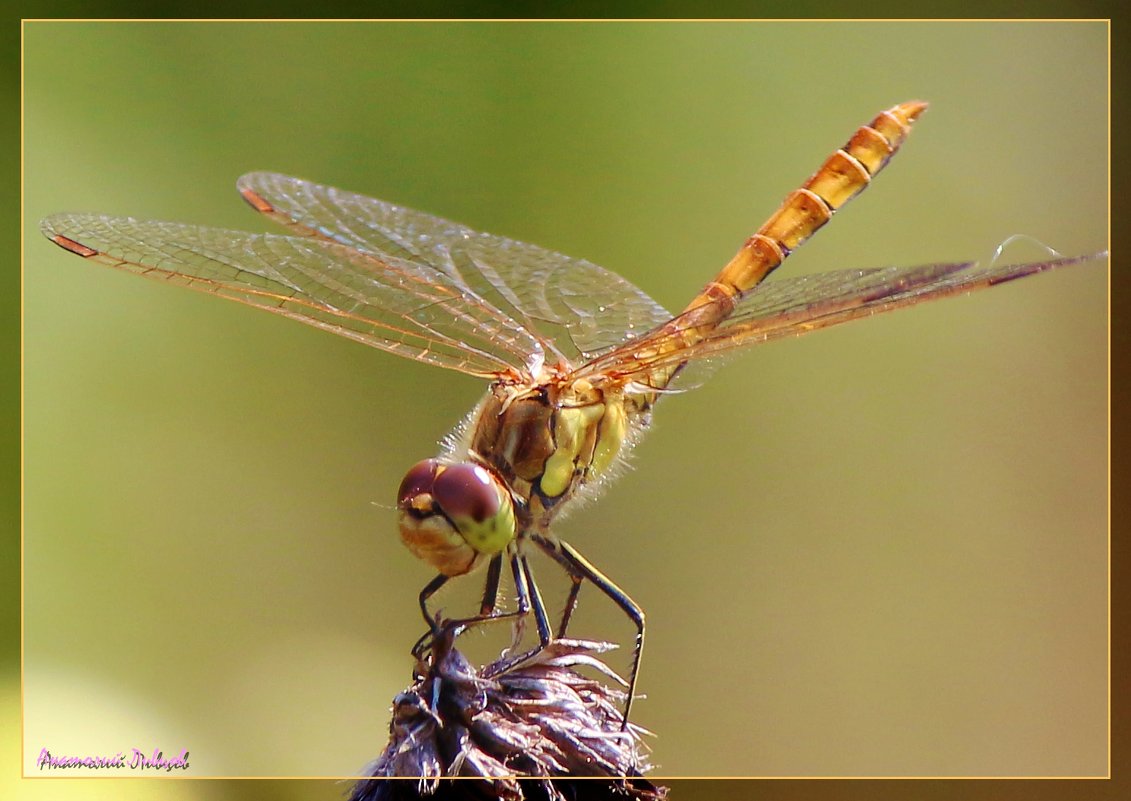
(389, 302)
(796, 306)
(573, 307)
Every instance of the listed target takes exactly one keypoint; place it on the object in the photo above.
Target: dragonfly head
(454, 515)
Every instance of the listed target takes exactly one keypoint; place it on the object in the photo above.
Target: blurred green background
(876, 551)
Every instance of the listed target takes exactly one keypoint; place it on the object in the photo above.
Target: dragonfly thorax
(548, 441)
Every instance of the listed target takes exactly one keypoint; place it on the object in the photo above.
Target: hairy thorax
(549, 441)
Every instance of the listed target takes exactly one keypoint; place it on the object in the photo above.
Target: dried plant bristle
(538, 729)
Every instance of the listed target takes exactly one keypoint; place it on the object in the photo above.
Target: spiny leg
(523, 601)
(486, 607)
(529, 599)
(571, 601)
(540, 618)
(430, 589)
(578, 565)
(491, 588)
(550, 547)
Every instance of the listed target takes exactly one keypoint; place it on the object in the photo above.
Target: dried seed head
(534, 730)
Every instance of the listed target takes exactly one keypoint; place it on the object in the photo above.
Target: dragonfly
(576, 357)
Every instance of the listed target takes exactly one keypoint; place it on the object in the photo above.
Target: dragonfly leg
(578, 565)
(486, 614)
(576, 578)
(429, 590)
(540, 618)
(523, 599)
(491, 597)
(571, 601)
(529, 600)
(491, 588)
(486, 607)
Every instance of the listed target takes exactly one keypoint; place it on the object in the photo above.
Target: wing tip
(50, 227)
(254, 199)
(68, 244)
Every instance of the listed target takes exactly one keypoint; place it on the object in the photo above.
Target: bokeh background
(880, 550)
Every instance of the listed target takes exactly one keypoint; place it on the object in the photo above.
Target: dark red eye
(467, 491)
(417, 481)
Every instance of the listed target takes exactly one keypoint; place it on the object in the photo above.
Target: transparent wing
(799, 305)
(389, 302)
(573, 307)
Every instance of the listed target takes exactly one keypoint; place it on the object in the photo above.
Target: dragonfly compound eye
(452, 515)
(416, 487)
(478, 504)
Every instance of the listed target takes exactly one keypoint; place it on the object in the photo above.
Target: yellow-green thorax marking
(547, 442)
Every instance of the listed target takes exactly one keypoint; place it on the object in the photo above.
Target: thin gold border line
(572, 19)
(1109, 318)
(23, 700)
